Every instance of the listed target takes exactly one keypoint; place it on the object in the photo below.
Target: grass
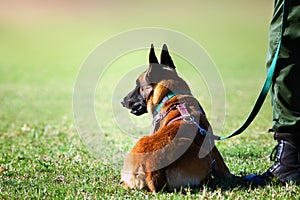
(41, 154)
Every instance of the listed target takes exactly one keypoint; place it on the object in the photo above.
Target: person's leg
(285, 94)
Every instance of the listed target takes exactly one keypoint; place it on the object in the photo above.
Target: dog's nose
(123, 102)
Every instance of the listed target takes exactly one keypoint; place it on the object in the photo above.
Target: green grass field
(41, 51)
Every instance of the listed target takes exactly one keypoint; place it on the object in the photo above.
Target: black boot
(287, 158)
(287, 161)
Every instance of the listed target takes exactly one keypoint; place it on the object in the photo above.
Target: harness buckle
(188, 118)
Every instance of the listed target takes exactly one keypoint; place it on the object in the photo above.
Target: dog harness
(186, 117)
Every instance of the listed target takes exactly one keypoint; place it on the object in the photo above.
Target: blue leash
(268, 82)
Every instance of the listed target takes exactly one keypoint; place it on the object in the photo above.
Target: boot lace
(277, 151)
(274, 153)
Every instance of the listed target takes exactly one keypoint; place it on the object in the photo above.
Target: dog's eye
(145, 88)
(142, 89)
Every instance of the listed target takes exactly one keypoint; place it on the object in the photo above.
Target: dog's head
(154, 84)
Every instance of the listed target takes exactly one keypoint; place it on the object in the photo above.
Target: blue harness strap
(165, 99)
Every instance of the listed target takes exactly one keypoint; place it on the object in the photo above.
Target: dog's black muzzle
(135, 102)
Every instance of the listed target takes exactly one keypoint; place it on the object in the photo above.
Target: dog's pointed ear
(152, 56)
(165, 58)
(153, 71)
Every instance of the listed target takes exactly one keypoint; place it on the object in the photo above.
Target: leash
(267, 84)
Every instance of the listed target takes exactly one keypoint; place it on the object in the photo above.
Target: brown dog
(181, 150)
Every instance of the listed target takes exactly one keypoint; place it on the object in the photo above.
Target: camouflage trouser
(285, 91)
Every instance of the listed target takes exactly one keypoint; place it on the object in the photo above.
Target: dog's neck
(167, 98)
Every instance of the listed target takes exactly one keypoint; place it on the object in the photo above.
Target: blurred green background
(44, 43)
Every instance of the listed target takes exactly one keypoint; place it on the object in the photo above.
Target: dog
(180, 152)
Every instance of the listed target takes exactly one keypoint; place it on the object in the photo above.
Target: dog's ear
(153, 72)
(152, 56)
(165, 58)
(156, 72)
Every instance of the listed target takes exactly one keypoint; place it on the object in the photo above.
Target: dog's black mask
(135, 102)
